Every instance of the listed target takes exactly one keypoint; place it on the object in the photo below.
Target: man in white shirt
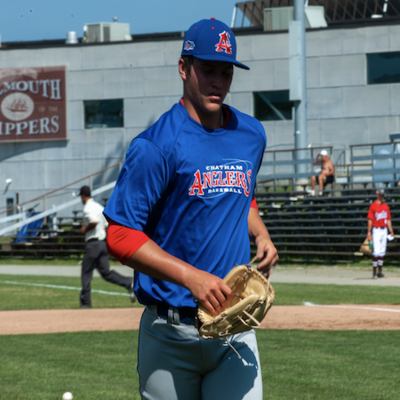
(95, 254)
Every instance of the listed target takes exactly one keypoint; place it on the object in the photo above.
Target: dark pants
(96, 256)
(329, 179)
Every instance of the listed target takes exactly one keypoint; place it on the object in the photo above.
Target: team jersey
(189, 188)
(379, 214)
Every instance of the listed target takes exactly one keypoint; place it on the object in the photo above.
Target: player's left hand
(267, 254)
(83, 229)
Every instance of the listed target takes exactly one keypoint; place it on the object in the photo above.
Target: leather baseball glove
(252, 297)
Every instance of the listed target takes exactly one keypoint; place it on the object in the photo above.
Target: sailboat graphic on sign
(18, 105)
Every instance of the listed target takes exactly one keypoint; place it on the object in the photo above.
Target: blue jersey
(189, 188)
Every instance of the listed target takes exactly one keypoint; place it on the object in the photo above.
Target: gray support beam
(298, 84)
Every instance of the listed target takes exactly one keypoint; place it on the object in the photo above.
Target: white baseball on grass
(67, 396)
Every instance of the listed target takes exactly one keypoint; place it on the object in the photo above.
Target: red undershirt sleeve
(123, 242)
(254, 203)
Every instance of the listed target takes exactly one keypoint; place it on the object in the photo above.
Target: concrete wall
(342, 108)
(143, 74)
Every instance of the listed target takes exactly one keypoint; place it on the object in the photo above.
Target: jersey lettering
(381, 215)
(229, 179)
(197, 185)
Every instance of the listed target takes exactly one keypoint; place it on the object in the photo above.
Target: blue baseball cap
(211, 40)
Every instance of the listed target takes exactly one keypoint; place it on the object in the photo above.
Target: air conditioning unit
(106, 32)
(278, 18)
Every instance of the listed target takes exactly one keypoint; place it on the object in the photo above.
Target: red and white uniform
(379, 215)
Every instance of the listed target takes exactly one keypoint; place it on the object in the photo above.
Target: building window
(104, 113)
(272, 106)
(383, 68)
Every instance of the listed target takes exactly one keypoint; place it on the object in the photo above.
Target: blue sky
(24, 20)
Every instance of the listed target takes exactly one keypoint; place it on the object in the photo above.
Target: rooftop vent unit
(106, 32)
(71, 38)
(278, 18)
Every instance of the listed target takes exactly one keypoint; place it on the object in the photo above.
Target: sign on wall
(32, 104)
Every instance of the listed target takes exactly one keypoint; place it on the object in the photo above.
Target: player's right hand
(369, 237)
(209, 290)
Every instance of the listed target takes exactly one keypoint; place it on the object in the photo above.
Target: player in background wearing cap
(95, 255)
(379, 220)
(182, 215)
(327, 174)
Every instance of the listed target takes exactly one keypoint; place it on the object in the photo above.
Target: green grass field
(295, 364)
(17, 294)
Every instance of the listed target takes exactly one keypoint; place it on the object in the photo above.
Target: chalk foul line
(308, 304)
(63, 287)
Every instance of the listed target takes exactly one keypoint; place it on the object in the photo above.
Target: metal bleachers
(323, 228)
(48, 243)
(305, 228)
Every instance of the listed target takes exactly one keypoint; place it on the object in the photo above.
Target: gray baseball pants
(95, 256)
(175, 363)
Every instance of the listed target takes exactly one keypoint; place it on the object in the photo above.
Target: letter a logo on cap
(224, 43)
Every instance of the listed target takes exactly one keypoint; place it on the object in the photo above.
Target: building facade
(113, 91)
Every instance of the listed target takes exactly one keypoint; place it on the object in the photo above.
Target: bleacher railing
(18, 212)
(281, 165)
(382, 161)
(54, 210)
(377, 164)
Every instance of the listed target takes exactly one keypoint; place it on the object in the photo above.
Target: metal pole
(44, 208)
(233, 17)
(298, 79)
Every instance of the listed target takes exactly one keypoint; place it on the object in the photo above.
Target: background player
(327, 174)
(181, 215)
(379, 220)
(95, 255)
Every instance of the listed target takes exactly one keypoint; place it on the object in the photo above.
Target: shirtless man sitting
(327, 174)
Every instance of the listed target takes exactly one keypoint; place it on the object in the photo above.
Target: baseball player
(182, 215)
(379, 221)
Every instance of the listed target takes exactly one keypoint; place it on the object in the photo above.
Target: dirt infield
(345, 317)
(341, 317)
